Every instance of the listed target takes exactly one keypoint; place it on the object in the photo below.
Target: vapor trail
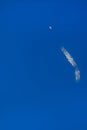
(77, 74)
(69, 57)
(72, 62)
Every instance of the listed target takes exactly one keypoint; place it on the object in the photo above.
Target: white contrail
(77, 74)
(69, 57)
(72, 62)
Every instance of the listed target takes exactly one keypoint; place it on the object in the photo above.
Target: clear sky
(38, 90)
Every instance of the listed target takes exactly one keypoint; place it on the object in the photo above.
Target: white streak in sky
(72, 62)
(69, 57)
(77, 74)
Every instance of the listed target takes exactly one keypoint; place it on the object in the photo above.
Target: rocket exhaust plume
(72, 62)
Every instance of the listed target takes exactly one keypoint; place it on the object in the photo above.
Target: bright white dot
(50, 27)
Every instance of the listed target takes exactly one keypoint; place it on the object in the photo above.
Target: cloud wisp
(72, 62)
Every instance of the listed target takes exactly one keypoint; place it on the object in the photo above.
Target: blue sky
(37, 85)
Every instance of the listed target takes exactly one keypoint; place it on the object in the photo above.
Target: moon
(50, 27)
